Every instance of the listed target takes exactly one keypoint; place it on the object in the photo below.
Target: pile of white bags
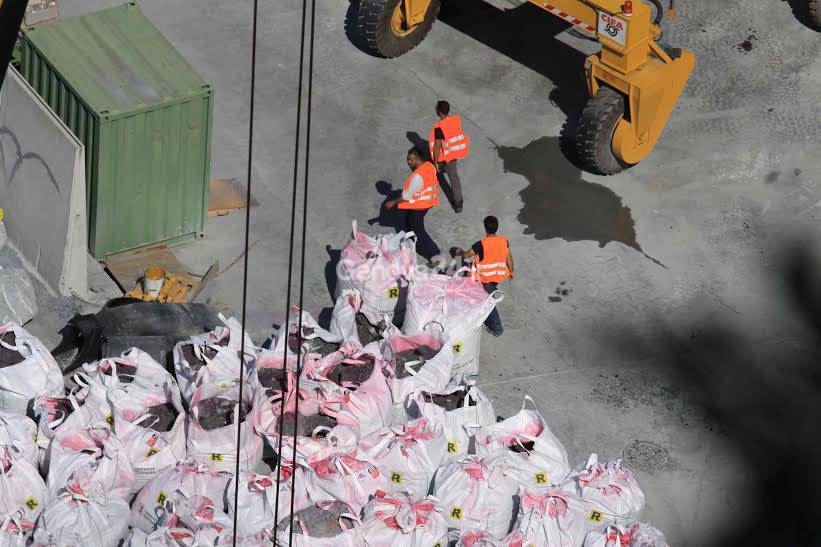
(36, 373)
(380, 268)
(456, 306)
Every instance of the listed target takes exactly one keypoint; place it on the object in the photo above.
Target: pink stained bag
(408, 455)
(36, 375)
(636, 534)
(347, 528)
(550, 517)
(482, 538)
(432, 375)
(608, 492)
(262, 497)
(23, 497)
(345, 474)
(368, 401)
(477, 493)
(455, 306)
(149, 508)
(402, 520)
(96, 454)
(380, 268)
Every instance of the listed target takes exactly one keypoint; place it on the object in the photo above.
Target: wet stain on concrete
(559, 203)
(747, 45)
(772, 177)
(645, 455)
(554, 299)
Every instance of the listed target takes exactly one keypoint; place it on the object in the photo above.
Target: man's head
(491, 225)
(443, 109)
(414, 158)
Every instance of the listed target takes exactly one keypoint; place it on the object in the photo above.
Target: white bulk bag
(37, 375)
(409, 455)
(146, 370)
(83, 514)
(286, 339)
(456, 306)
(343, 317)
(347, 536)
(219, 350)
(550, 517)
(257, 500)
(23, 497)
(96, 454)
(380, 268)
(174, 484)
(482, 538)
(20, 432)
(50, 413)
(219, 446)
(615, 535)
(477, 493)
(149, 451)
(541, 459)
(402, 520)
(369, 402)
(608, 492)
(345, 474)
(433, 375)
(475, 409)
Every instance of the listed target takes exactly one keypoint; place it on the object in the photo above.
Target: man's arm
(415, 185)
(438, 143)
(510, 262)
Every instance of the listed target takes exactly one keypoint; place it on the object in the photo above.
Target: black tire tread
(814, 13)
(595, 133)
(373, 22)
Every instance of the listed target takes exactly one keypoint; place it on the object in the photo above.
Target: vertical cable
(304, 239)
(238, 417)
(290, 264)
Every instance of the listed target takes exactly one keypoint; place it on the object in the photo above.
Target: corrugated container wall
(144, 115)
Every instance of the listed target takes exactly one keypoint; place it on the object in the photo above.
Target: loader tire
(814, 13)
(594, 136)
(375, 23)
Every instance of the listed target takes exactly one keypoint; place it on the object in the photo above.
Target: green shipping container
(144, 116)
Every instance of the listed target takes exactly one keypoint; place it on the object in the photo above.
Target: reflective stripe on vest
(493, 266)
(455, 144)
(428, 196)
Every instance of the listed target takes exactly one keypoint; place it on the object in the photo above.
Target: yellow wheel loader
(633, 83)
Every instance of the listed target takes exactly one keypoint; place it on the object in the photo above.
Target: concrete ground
(667, 261)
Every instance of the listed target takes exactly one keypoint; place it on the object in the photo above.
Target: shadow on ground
(765, 397)
(799, 9)
(559, 203)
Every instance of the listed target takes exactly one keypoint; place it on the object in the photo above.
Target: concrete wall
(42, 188)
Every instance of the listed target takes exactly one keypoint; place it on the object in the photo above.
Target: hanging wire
(238, 417)
(304, 239)
(286, 325)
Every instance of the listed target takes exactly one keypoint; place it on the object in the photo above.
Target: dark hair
(443, 107)
(491, 224)
(415, 152)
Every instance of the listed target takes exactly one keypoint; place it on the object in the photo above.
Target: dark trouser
(493, 321)
(415, 222)
(451, 170)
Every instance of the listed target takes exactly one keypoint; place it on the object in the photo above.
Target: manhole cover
(645, 455)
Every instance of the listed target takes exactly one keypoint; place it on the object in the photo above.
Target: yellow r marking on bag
(596, 516)
(541, 477)
(109, 419)
(216, 457)
(396, 477)
(151, 452)
(457, 347)
(32, 503)
(438, 544)
(452, 447)
(161, 498)
(456, 513)
(393, 292)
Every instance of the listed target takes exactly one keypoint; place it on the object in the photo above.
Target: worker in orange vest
(448, 145)
(493, 265)
(420, 195)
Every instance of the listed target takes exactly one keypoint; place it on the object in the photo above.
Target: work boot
(457, 208)
(493, 332)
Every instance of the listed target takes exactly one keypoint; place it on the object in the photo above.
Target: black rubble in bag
(9, 357)
(217, 412)
(305, 424)
(422, 353)
(150, 326)
(321, 522)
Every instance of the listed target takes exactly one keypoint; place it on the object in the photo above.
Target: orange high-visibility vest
(493, 266)
(428, 196)
(455, 145)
